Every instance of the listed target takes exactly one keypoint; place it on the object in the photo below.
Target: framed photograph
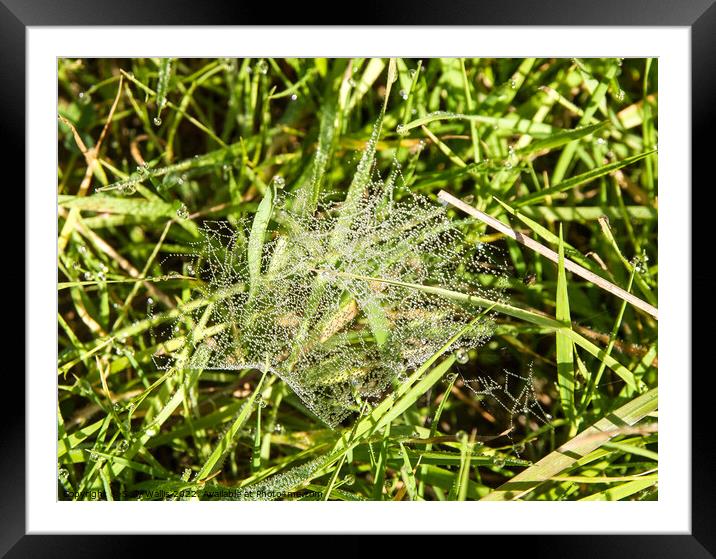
(415, 278)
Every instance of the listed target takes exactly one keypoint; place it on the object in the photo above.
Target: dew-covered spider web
(318, 309)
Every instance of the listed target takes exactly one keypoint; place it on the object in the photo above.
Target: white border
(671, 514)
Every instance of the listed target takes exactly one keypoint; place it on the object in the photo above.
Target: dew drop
(461, 356)
(186, 474)
(401, 129)
(279, 181)
(404, 94)
(460, 435)
(94, 456)
(499, 461)
(262, 66)
(451, 377)
(122, 446)
(157, 121)
(63, 474)
(294, 97)
(117, 407)
(182, 212)
(87, 276)
(150, 301)
(350, 479)
(84, 97)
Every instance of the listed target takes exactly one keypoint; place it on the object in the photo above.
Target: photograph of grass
(357, 279)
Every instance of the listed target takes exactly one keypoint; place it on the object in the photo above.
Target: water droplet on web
(451, 377)
(548, 416)
(461, 356)
(157, 121)
(279, 181)
(519, 448)
(126, 188)
(182, 212)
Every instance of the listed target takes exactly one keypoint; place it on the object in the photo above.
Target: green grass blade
(214, 461)
(256, 240)
(578, 180)
(565, 346)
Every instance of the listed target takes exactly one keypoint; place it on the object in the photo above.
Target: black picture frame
(698, 15)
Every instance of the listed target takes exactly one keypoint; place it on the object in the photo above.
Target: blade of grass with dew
(511, 124)
(165, 73)
(560, 139)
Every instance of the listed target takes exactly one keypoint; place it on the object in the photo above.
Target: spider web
(321, 315)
